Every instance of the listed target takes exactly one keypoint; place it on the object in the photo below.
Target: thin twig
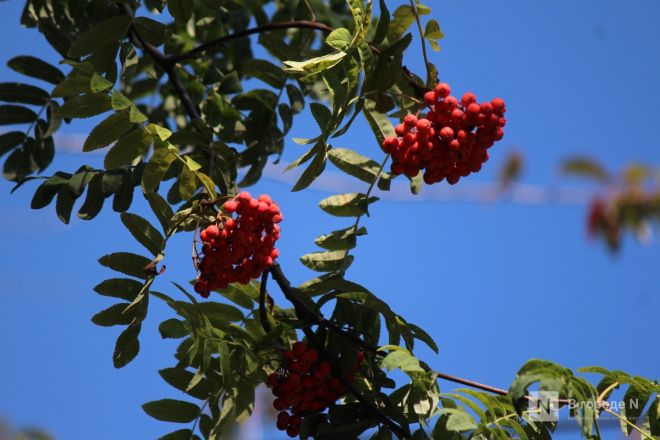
(644, 434)
(165, 63)
(421, 36)
(263, 315)
(359, 217)
(295, 24)
(213, 44)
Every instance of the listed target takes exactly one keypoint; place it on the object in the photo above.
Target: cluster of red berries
(303, 385)
(451, 141)
(241, 248)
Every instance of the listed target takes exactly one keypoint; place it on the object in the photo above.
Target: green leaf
(314, 169)
(341, 239)
(635, 401)
(433, 33)
(144, 232)
(127, 346)
(187, 183)
(94, 200)
(241, 294)
(18, 165)
(383, 23)
(322, 115)
(403, 17)
(129, 147)
(458, 420)
(155, 171)
(78, 81)
(219, 313)
(181, 434)
(99, 84)
(10, 140)
(172, 329)
(159, 132)
(45, 193)
(355, 164)
(113, 315)
(23, 93)
(103, 34)
(181, 10)
(266, 71)
(127, 263)
(181, 379)
(161, 209)
(379, 123)
(16, 114)
(54, 115)
(108, 131)
(85, 106)
(340, 39)
(124, 288)
(347, 205)
(315, 65)
(135, 115)
(64, 204)
(170, 410)
(152, 31)
(296, 98)
(36, 68)
(124, 195)
(326, 261)
(119, 101)
(402, 360)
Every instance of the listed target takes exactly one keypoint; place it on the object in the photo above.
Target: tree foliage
(184, 99)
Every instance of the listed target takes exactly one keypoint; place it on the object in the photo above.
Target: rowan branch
(263, 315)
(165, 63)
(291, 294)
(295, 24)
(214, 44)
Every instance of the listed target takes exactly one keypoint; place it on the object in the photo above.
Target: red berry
(468, 99)
(474, 108)
(442, 90)
(430, 97)
(299, 348)
(410, 120)
(447, 133)
(498, 105)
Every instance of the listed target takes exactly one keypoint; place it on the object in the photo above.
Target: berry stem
(423, 41)
(357, 220)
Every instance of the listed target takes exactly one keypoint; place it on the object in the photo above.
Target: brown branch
(204, 47)
(263, 315)
(165, 63)
(295, 24)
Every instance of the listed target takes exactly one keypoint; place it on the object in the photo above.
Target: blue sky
(495, 284)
